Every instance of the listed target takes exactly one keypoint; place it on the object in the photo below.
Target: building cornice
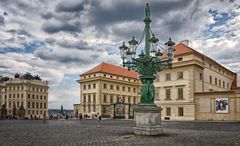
(137, 83)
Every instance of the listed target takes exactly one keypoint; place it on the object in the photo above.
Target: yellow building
(208, 106)
(109, 90)
(24, 96)
(193, 74)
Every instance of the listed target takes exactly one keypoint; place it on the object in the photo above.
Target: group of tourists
(95, 116)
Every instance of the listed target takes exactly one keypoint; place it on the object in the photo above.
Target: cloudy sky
(60, 39)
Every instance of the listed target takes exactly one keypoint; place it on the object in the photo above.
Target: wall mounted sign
(221, 105)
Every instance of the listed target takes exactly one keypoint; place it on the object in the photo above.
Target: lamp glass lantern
(153, 41)
(123, 48)
(133, 46)
(170, 49)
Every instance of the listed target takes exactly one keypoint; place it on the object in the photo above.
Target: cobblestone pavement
(116, 132)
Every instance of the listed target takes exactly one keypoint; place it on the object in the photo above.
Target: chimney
(17, 75)
(185, 42)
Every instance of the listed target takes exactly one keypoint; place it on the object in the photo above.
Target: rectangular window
(28, 104)
(89, 86)
(180, 75)
(180, 59)
(33, 105)
(129, 89)
(41, 105)
(89, 98)
(220, 83)
(216, 81)
(84, 87)
(180, 111)
(129, 100)
(200, 76)
(123, 99)
(37, 105)
(168, 94)
(134, 100)
(210, 79)
(45, 105)
(84, 98)
(94, 86)
(227, 85)
(32, 96)
(134, 90)
(22, 96)
(104, 98)
(111, 87)
(223, 84)
(168, 77)
(117, 87)
(104, 86)
(168, 111)
(180, 93)
(94, 98)
(123, 88)
(9, 104)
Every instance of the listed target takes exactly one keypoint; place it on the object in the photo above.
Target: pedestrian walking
(99, 118)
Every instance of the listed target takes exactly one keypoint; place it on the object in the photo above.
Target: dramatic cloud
(60, 39)
(70, 6)
(56, 26)
(2, 20)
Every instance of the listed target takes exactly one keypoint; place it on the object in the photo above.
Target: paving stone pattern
(116, 133)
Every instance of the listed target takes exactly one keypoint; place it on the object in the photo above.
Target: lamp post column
(147, 22)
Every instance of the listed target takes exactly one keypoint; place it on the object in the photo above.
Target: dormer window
(180, 59)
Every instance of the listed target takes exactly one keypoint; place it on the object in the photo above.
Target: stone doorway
(21, 112)
(119, 110)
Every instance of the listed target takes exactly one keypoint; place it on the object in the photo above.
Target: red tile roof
(180, 50)
(112, 69)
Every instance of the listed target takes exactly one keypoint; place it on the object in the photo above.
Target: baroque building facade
(24, 96)
(196, 82)
(109, 90)
(196, 88)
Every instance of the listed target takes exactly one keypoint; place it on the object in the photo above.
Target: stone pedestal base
(147, 119)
